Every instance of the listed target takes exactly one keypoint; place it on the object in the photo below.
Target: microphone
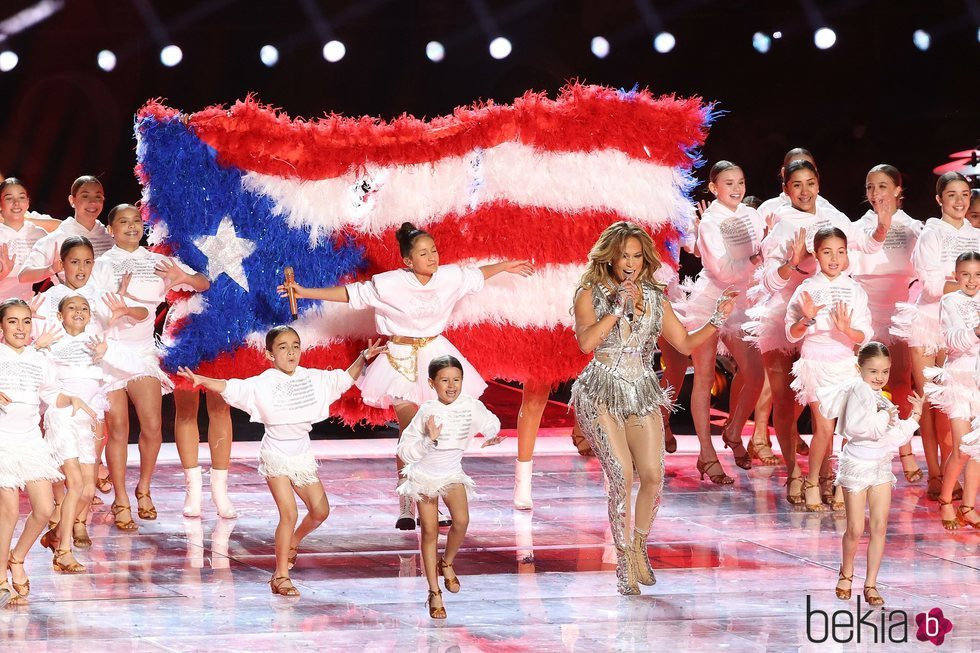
(290, 278)
(628, 307)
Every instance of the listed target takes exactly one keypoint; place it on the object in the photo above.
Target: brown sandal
(763, 453)
(71, 568)
(279, 586)
(932, 493)
(842, 594)
(873, 601)
(948, 524)
(452, 584)
(145, 513)
(961, 516)
(104, 484)
(744, 461)
(915, 475)
(797, 498)
(811, 507)
(22, 589)
(291, 557)
(717, 479)
(82, 541)
(123, 524)
(435, 612)
(582, 445)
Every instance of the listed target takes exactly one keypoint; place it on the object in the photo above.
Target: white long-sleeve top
(959, 316)
(146, 288)
(404, 307)
(27, 378)
(19, 244)
(777, 245)
(935, 255)
(288, 404)
(726, 240)
(77, 373)
(47, 312)
(828, 292)
(45, 250)
(866, 418)
(894, 259)
(460, 422)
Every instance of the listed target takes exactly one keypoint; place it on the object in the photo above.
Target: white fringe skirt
(811, 374)
(418, 485)
(300, 468)
(856, 474)
(970, 444)
(918, 326)
(953, 391)
(382, 385)
(70, 436)
(144, 361)
(25, 458)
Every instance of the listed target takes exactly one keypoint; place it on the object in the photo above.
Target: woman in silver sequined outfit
(620, 312)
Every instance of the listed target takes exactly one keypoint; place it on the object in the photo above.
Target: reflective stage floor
(735, 567)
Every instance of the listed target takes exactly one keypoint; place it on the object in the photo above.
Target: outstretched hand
(432, 429)
(841, 317)
(98, 346)
(374, 347)
(916, 401)
(523, 268)
(186, 373)
(808, 307)
(51, 334)
(171, 273)
(489, 442)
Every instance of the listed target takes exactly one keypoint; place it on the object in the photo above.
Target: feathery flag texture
(240, 193)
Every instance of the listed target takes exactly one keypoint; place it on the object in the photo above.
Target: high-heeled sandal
(915, 475)
(811, 507)
(22, 589)
(435, 612)
(280, 588)
(745, 460)
(827, 489)
(763, 453)
(670, 442)
(452, 584)
(842, 594)
(961, 516)
(123, 524)
(873, 601)
(838, 504)
(103, 484)
(802, 447)
(145, 513)
(97, 501)
(9, 598)
(82, 541)
(52, 524)
(50, 540)
(792, 498)
(934, 487)
(581, 444)
(71, 568)
(717, 479)
(291, 557)
(948, 524)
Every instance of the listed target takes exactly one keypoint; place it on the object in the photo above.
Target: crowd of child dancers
(814, 309)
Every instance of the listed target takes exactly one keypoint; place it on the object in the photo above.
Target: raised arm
(523, 268)
(374, 347)
(214, 385)
(685, 342)
(331, 294)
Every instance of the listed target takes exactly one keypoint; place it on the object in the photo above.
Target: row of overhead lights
(500, 48)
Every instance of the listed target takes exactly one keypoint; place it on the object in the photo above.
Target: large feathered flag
(241, 193)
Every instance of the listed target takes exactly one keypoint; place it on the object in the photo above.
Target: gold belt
(407, 366)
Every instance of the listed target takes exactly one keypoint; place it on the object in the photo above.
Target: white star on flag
(225, 252)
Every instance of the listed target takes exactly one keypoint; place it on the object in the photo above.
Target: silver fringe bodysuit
(620, 381)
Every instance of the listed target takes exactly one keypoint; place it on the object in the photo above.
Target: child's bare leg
(854, 503)
(428, 508)
(879, 501)
(317, 511)
(458, 504)
(69, 507)
(282, 493)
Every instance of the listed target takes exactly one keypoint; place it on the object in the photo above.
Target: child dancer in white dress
(886, 277)
(287, 400)
(145, 278)
(729, 237)
(874, 432)
(829, 313)
(17, 237)
(26, 461)
(78, 353)
(788, 260)
(953, 389)
(432, 447)
(917, 323)
(411, 308)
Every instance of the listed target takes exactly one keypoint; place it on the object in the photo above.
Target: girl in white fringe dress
(432, 447)
(873, 432)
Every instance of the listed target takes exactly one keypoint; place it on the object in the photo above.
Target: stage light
(777, 34)
(761, 42)
(600, 47)
(435, 51)
(334, 51)
(269, 55)
(664, 42)
(500, 48)
(824, 38)
(921, 39)
(106, 60)
(8, 61)
(171, 55)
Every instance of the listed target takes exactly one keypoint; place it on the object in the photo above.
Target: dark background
(872, 98)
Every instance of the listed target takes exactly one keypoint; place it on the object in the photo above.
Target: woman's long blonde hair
(610, 247)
